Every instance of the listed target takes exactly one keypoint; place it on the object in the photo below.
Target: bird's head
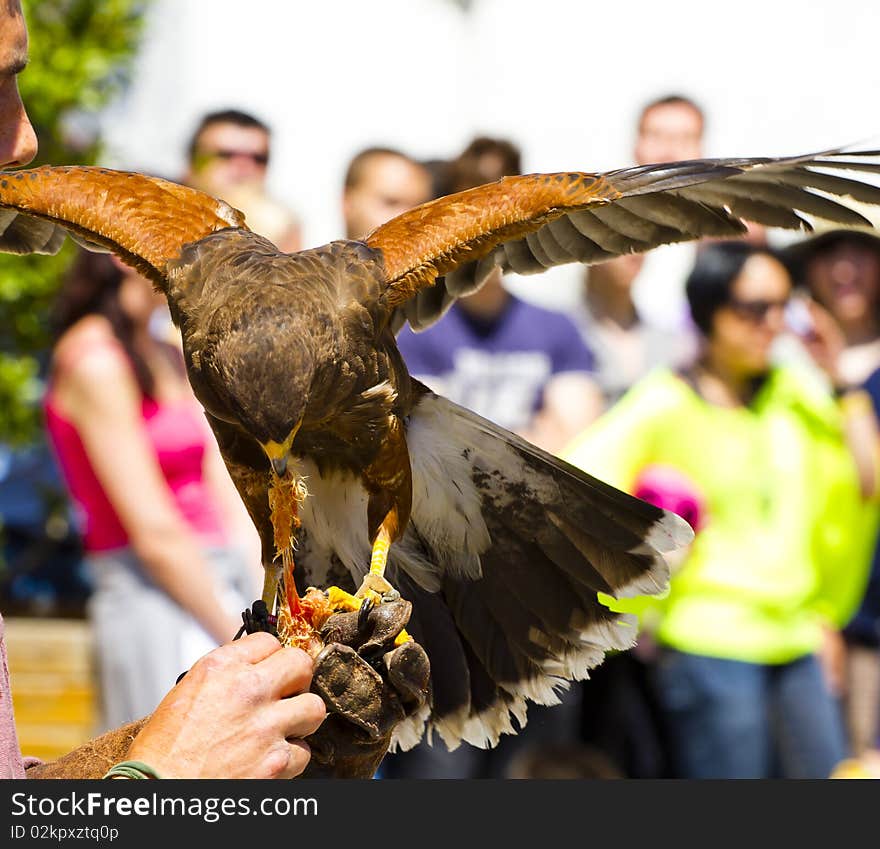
(262, 383)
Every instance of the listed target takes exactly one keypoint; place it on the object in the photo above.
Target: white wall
(563, 78)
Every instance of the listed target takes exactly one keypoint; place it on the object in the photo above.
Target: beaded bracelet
(131, 769)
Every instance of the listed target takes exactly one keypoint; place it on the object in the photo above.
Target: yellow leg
(374, 581)
(374, 584)
(379, 557)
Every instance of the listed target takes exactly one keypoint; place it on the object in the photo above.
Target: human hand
(823, 340)
(242, 711)
(369, 686)
(832, 659)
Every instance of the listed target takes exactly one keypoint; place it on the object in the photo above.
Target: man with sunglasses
(228, 157)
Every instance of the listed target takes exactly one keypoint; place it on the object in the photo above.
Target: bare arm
(571, 402)
(825, 344)
(291, 240)
(863, 438)
(102, 400)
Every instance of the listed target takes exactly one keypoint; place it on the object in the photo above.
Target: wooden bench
(54, 684)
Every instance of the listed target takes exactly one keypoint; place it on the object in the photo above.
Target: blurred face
(18, 144)
(669, 133)
(388, 186)
(744, 329)
(844, 277)
(620, 272)
(137, 295)
(228, 155)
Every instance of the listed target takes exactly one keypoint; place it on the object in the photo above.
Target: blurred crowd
(735, 382)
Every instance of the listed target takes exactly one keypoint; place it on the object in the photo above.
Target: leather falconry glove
(370, 682)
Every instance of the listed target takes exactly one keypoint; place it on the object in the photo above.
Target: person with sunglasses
(228, 156)
(783, 538)
(839, 267)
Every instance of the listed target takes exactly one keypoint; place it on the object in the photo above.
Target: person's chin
(851, 309)
(759, 365)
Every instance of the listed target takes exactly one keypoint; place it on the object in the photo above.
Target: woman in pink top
(150, 488)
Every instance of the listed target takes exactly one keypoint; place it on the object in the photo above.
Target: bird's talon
(373, 583)
(391, 595)
(363, 615)
(340, 600)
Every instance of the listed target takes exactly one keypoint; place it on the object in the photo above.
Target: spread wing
(145, 220)
(446, 248)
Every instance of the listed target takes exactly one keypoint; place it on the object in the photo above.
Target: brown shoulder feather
(143, 219)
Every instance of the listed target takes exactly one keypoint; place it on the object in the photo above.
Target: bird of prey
(502, 549)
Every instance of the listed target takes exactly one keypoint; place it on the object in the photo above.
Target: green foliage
(81, 55)
(19, 392)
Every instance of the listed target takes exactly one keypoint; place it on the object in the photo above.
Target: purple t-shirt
(498, 369)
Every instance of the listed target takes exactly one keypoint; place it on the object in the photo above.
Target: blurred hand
(240, 712)
(646, 649)
(825, 341)
(832, 658)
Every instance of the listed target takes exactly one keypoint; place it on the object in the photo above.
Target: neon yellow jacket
(787, 538)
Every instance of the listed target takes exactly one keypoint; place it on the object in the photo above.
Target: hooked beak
(278, 453)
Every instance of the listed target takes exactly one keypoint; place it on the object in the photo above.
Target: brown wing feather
(526, 224)
(143, 219)
(437, 237)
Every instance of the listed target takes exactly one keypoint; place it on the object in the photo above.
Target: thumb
(251, 648)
